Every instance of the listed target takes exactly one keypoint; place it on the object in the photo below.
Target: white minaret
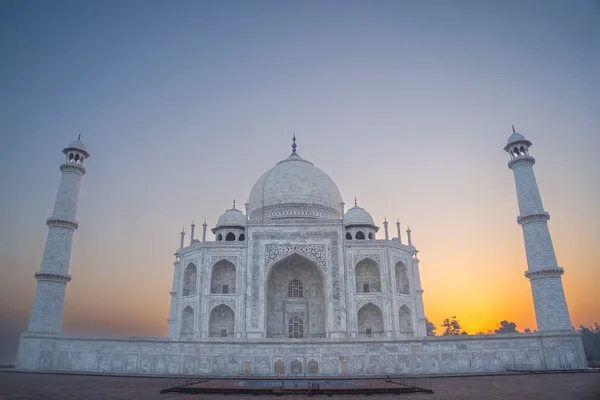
(543, 272)
(47, 312)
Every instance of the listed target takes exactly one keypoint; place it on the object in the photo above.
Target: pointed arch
(348, 236)
(313, 366)
(402, 282)
(360, 235)
(279, 367)
(296, 367)
(187, 322)
(367, 276)
(370, 321)
(190, 277)
(404, 316)
(221, 321)
(301, 277)
(230, 237)
(223, 277)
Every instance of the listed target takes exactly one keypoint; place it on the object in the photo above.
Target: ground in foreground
(566, 386)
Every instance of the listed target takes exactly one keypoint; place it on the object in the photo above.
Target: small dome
(76, 145)
(358, 216)
(515, 137)
(232, 217)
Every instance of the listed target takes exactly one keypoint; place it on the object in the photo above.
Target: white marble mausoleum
(298, 284)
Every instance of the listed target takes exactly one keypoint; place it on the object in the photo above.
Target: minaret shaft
(47, 310)
(542, 268)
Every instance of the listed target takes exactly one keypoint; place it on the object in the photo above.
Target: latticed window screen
(366, 287)
(369, 332)
(225, 289)
(295, 327)
(295, 288)
(223, 332)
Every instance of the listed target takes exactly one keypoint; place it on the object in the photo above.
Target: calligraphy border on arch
(316, 252)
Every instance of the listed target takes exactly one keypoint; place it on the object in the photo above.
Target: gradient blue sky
(405, 104)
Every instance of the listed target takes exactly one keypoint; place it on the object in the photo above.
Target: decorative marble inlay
(231, 258)
(356, 258)
(316, 252)
(212, 303)
(378, 301)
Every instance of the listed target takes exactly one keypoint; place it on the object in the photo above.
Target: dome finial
(234, 204)
(514, 129)
(355, 202)
(79, 136)
(294, 143)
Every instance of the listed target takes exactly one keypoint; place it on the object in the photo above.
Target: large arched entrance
(295, 299)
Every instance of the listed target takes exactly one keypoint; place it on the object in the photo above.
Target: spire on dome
(234, 204)
(514, 129)
(79, 136)
(355, 202)
(294, 143)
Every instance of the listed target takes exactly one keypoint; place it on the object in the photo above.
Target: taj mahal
(298, 283)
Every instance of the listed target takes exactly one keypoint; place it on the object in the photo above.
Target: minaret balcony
(544, 273)
(537, 217)
(48, 276)
(62, 223)
(521, 160)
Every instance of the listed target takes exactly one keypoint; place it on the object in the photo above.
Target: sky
(407, 105)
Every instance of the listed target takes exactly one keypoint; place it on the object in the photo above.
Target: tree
(451, 326)
(591, 343)
(507, 327)
(527, 330)
(431, 328)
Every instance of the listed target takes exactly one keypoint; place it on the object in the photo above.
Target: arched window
(367, 276)
(296, 367)
(189, 280)
(522, 151)
(279, 367)
(360, 235)
(313, 367)
(242, 237)
(370, 321)
(295, 288)
(219, 237)
(402, 285)
(295, 327)
(187, 322)
(371, 236)
(230, 237)
(223, 278)
(221, 321)
(348, 236)
(405, 320)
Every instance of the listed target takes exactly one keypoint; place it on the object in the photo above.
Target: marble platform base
(428, 355)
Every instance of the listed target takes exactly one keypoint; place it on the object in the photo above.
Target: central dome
(294, 188)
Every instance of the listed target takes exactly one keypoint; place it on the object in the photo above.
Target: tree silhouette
(431, 328)
(591, 343)
(507, 327)
(451, 326)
